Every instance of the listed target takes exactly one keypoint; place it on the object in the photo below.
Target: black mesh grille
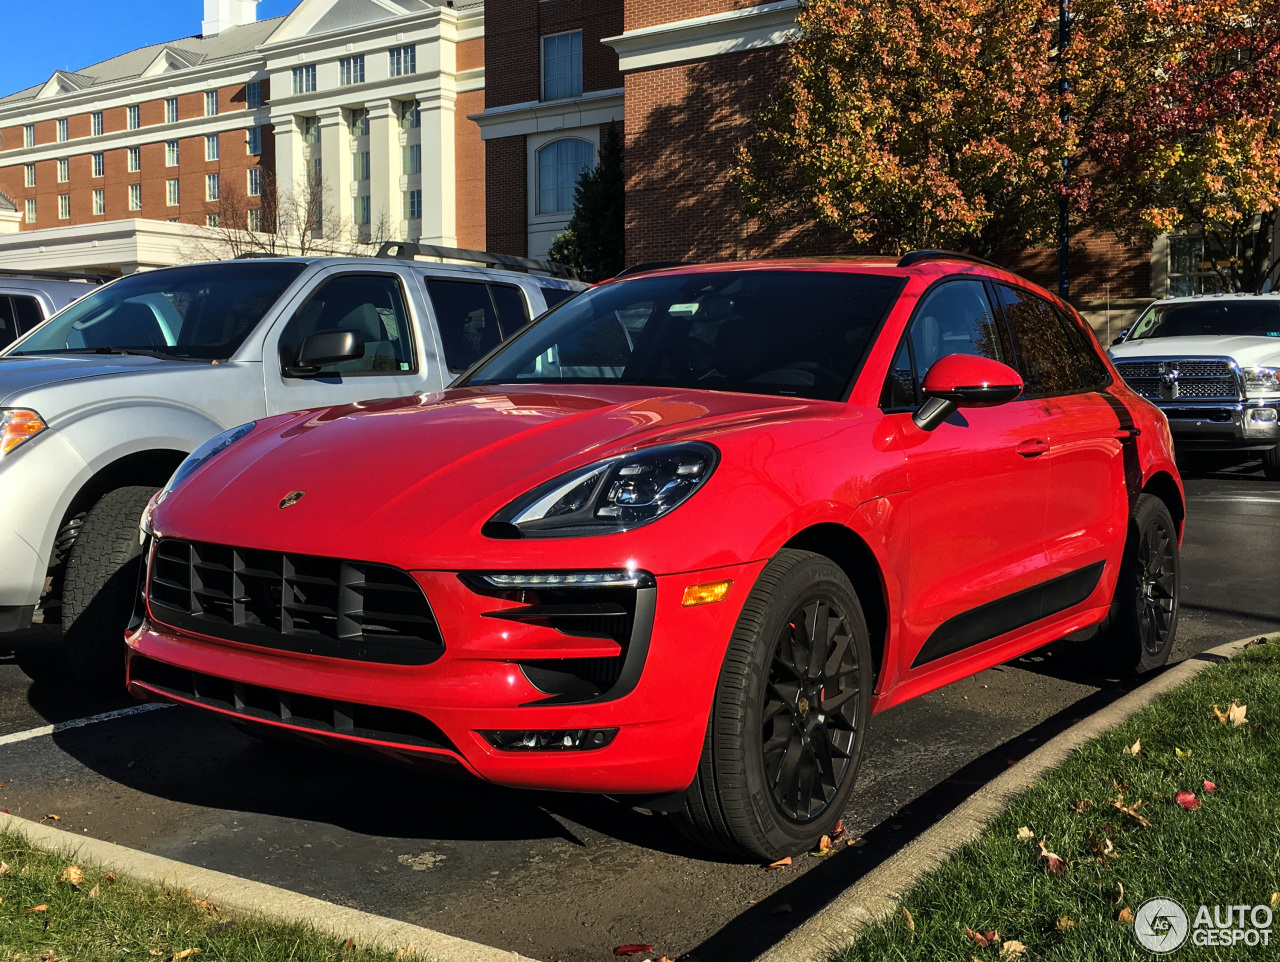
(1192, 379)
(318, 606)
(302, 711)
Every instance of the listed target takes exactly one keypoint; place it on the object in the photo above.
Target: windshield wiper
(130, 351)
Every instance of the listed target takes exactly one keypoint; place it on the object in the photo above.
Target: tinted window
(900, 391)
(555, 295)
(8, 322)
(954, 318)
(28, 312)
(373, 307)
(468, 323)
(199, 312)
(1094, 373)
(513, 313)
(1259, 318)
(1051, 351)
(765, 332)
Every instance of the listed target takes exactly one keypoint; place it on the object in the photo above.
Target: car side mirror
(1120, 337)
(323, 348)
(964, 381)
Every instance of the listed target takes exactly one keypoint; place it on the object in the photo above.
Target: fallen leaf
(625, 950)
(406, 952)
(154, 952)
(779, 865)
(1179, 753)
(206, 905)
(1131, 810)
(1053, 863)
(857, 842)
(1025, 833)
(184, 954)
(72, 874)
(1187, 800)
(349, 944)
(837, 833)
(1209, 786)
(109, 877)
(1081, 805)
(1125, 917)
(824, 847)
(666, 958)
(4, 868)
(1236, 713)
(1012, 949)
(1120, 897)
(1065, 923)
(1275, 899)
(1135, 748)
(48, 956)
(94, 892)
(35, 908)
(1103, 848)
(56, 818)
(984, 939)
(781, 909)
(908, 920)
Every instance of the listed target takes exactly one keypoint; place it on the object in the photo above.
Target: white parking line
(78, 723)
(1243, 498)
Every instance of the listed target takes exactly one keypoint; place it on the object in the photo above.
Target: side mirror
(1120, 337)
(324, 348)
(964, 381)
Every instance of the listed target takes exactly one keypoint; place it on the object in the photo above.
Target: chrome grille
(1139, 369)
(318, 606)
(1169, 379)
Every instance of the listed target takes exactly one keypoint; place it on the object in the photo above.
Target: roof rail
(407, 251)
(648, 266)
(918, 257)
(58, 275)
(257, 255)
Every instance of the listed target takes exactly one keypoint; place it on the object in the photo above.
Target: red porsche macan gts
(679, 539)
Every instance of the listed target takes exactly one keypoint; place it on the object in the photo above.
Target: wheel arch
(1163, 486)
(859, 563)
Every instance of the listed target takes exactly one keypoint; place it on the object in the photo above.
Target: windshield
(202, 312)
(793, 332)
(1196, 318)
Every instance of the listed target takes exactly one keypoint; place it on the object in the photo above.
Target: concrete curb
(245, 897)
(875, 896)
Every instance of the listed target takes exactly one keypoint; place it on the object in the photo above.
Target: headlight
(1261, 380)
(215, 445)
(18, 425)
(609, 496)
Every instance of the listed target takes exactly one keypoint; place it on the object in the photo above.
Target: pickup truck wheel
(1139, 631)
(785, 736)
(101, 586)
(1271, 463)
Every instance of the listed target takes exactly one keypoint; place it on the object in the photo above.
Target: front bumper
(438, 713)
(1251, 425)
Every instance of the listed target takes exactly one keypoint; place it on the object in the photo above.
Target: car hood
(19, 375)
(373, 472)
(1246, 351)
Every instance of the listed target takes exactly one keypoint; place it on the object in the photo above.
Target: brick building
(112, 166)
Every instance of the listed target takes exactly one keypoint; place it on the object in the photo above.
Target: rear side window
(1053, 355)
(27, 310)
(8, 321)
(467, 319)
(513, 313)
(372, 305)
(555, 295)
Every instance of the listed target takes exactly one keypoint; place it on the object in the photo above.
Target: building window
(212, 220)
(29, 175)
(99, 201)
(171, 110)
(210, 146)
(317, 170)
(212, 187)
(96, 123)
(171, 154)
(311, 130)
(559, 165)
(31, 210)
(99, 165)
(253, 220)
(562, 66)
(135, 197)
(62, 130)
(135, 159)
(211, 103)
(404, 60)
(362, 165)
(1191, 258)
(413, 159)
(413, 205)
(360, 210)
(351, 70)
(171, 192)
(133, 118)
(360, 122)
(254, 141)
(253, 94)
(255, 181)
(29, 135)
(64, 170)
(410, 115)
(304, 79)
(64, 207)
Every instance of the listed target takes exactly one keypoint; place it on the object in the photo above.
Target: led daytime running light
(563, 579)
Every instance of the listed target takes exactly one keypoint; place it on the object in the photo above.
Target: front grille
(301, 603)
(1169, 379)
(1205, 369)
(1215, 390)
(1217, 415)
(301, 711)
(1132, 369)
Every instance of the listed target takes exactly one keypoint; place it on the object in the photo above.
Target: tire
(101, 587)
(1140, 629)
(763, 703)
(1271, 463)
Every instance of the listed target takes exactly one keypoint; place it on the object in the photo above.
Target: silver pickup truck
(101, 403)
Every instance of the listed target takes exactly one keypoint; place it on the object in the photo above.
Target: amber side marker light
(16, 426)
(707, 594)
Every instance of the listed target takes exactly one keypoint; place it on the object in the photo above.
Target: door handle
(1124, 434)
(1033, 448)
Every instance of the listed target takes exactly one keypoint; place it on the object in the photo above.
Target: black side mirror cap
(1120, 337)
(323, 348)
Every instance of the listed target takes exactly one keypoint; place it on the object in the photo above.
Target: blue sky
(51, 35)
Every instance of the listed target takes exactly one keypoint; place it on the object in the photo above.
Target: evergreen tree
(593, 244)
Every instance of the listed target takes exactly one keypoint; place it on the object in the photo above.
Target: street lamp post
(1064, 212)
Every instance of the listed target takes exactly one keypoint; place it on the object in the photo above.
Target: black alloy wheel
(1157, 585)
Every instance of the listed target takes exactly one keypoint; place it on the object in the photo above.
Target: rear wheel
(1271, 463)
(1139, 632)
(101, 587)
(785, 736)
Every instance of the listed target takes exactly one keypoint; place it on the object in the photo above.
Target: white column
(335, 166)
(291, 155)
(385, 201)
(439, 166)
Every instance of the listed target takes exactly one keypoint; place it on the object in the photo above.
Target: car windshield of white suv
(799, 333)
(203, 312)
(1212, 317)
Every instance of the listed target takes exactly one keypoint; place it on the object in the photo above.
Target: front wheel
(785, 736)
(1271, 463)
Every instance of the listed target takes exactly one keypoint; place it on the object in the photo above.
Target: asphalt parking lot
(570, 877)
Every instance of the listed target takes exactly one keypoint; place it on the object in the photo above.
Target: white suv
(1211, 363)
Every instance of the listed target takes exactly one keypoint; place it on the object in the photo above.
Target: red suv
(679, 539)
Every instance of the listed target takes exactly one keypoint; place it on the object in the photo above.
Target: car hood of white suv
(1245, 351)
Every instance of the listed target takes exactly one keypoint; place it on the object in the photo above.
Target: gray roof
(6, 202)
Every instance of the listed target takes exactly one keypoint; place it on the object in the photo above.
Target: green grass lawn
(1225, 852)
(43, 916)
